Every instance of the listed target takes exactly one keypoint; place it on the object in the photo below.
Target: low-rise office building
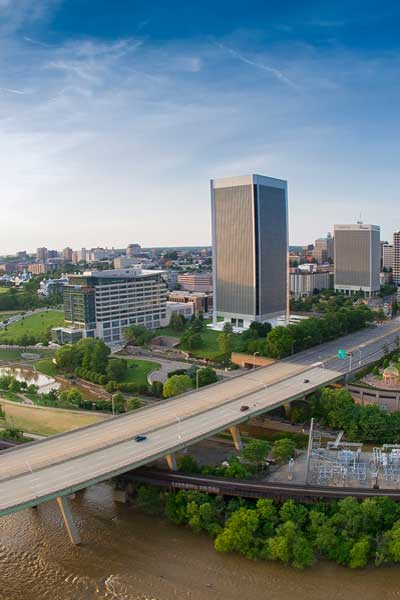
(103, 304)
(195, 282)
(201, 302)
(307, 282)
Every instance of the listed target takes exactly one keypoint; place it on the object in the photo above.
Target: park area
(36, 325)
(208, 349)
(138, 371)
(46, 421)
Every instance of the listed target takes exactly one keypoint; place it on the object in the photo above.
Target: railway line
(250, 489)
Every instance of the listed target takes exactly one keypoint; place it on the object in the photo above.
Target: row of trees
(349, 532)
(27, 297)
(335, 408)
(283, 341)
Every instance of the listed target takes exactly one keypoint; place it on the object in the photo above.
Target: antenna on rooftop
(359, 222)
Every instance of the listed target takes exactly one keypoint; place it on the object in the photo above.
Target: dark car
(244, 408)
(306, 381)
(140, 438)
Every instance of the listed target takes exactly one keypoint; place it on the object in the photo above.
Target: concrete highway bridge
(55, 468)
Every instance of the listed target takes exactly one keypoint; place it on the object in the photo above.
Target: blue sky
(115, 114)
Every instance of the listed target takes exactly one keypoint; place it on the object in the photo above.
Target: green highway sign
(342, 353)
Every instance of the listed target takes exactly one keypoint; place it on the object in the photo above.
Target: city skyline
(123, 119)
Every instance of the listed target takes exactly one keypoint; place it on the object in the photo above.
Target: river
(127, 555)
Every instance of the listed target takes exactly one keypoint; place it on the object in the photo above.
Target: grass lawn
(209, 349)
(46, 421)
(4, 290)
(36, 324)
(138, 370)
(46, 366)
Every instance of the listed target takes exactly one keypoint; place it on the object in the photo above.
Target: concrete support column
(65, 510)
(171, 462)
(288, 409)
(237, 440)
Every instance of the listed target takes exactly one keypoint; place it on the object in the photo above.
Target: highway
(43, 470)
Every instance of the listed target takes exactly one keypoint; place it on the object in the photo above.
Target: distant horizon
(113, 126)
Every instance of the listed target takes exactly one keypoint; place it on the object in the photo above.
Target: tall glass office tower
(250, 248)
(357, 258)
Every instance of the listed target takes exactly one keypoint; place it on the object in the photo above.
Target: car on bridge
(140, 438)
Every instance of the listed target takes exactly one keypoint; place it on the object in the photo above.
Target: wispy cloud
(130, 130)
(11, 91)
(278, 74)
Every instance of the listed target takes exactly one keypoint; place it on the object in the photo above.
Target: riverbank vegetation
(351, 533)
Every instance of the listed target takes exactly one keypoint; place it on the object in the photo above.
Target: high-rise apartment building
(67, 254)
(133, 250)
(41, 253)
(323, 249)
(357, 259)
(250, 249)
(104, 303)
(387, 256)
(396, 258)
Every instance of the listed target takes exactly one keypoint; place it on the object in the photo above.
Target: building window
(233, 321)
(106, 325)
(240, 322)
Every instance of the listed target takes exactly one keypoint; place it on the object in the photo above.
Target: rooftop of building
(118, 273)
(249, 180)
(357, 227)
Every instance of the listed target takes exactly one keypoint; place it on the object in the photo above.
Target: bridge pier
(70, 526)
(171, 462)
(237, 440)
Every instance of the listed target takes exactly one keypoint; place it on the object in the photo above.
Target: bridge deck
(43, 470)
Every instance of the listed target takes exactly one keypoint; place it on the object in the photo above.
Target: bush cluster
(349, 532)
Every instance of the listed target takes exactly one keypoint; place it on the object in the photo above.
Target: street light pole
(112, 405)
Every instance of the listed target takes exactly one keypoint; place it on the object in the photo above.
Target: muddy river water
(127, 555)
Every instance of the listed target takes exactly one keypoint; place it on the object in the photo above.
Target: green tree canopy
(177, 384)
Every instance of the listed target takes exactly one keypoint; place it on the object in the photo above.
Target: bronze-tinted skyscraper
(250, 248)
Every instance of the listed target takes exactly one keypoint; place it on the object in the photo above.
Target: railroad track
(251, 489)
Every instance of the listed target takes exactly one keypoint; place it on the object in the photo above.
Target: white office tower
(357, 259)
(250, 249)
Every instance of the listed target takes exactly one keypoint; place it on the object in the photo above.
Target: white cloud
(114, 142)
